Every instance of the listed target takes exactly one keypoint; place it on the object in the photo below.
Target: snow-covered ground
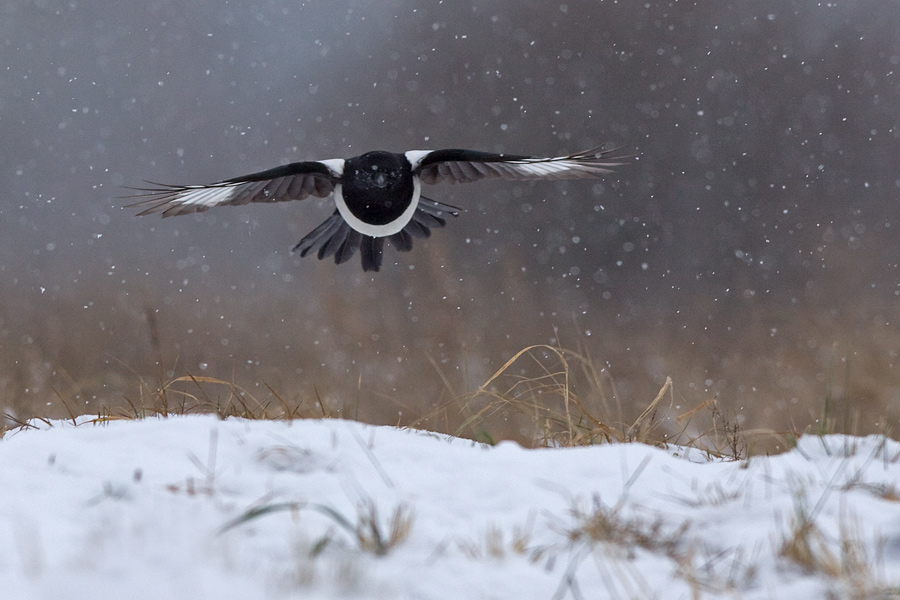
(193, 507)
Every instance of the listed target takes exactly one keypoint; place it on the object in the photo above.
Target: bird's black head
(377, 186)
(376, 170)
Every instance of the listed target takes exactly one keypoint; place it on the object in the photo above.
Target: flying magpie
(377, 195)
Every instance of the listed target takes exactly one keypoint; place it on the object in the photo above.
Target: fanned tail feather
(335, 237)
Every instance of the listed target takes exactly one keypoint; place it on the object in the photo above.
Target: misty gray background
(749, 251)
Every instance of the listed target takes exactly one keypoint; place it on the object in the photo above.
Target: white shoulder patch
(335, 165)
(415, 157)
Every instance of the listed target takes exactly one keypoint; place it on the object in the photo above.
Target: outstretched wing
(463, 166)
(295, 181)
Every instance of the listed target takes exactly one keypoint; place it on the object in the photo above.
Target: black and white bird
(377, 195)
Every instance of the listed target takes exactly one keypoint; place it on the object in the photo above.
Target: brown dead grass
(845, 564)
(542, 396)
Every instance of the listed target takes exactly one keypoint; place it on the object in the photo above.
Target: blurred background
(749, 251)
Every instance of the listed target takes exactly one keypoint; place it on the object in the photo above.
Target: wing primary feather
(294, 181)
(464, 166)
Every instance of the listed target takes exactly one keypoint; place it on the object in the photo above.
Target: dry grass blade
(562, 399)
(557, 382)
(238, 403)
(606, 524)
(639, 429)
(259, 511)
(844, 562)
(368, 531)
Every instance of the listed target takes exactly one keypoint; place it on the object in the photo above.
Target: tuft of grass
(559, 413)
(805, 545)
(367, 529)
(607, 524)
(843, 562)
(562, 398)
(497, 545)
(193, 394)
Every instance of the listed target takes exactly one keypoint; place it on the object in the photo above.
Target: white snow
(141, 509)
